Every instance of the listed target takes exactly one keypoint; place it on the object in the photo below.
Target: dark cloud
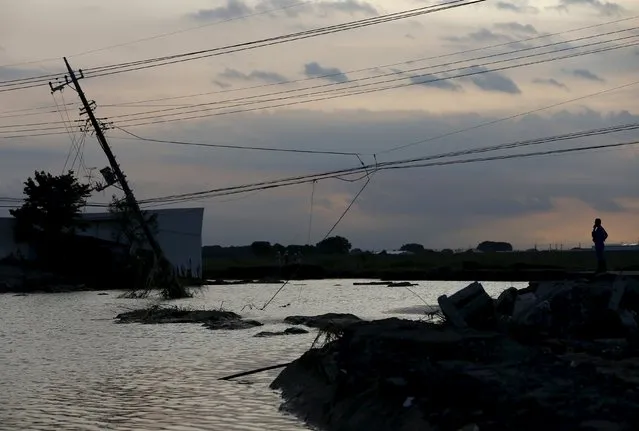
(602, 7)
(349, 6)
(585, 74)
(550, 81)
(517, 7)
(286, 7)
(430, 80)
(481, 35)
(447, 206)
(255, 75)
(492, 81)
(11, 73)
(516, 27)
(237, 8)
(315, 70)
(232, 9)
(487, 36)
(222, 84)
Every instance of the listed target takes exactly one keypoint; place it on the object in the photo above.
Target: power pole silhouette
(161, 262)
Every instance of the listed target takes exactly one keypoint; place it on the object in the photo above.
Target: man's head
(597, 222)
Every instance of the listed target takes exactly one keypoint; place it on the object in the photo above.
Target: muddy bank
(554, 356)
(210, 319)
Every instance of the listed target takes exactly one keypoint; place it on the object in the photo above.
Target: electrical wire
(453, 162)
(365, 69)
(302, 179)
(158, 36)
(235, 147)
(407, 145)
(372, 68)
(341, 217)
(23, 83)
(206, 53)
(402, 73)
(326, 95)
(29, 129)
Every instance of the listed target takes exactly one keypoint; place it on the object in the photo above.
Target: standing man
(599, 236)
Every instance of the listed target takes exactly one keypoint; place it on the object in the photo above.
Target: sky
(440, 87)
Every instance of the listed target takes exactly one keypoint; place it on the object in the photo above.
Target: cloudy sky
(383, 86)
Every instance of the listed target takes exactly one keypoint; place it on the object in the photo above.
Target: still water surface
(64, 364)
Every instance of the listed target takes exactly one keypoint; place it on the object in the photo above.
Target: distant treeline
(335, 245)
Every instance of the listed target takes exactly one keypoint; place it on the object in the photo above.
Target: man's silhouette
(599, 236)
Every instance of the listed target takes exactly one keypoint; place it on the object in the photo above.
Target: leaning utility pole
(173, 289)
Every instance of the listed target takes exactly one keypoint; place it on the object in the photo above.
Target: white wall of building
(179, 235)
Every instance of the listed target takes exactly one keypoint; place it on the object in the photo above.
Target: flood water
(65, 365)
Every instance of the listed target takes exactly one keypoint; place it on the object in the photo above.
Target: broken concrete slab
(564, 355)
(447, 379)
(470, 306)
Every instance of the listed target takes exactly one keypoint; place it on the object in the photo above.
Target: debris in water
(211, 319)
(555, 356)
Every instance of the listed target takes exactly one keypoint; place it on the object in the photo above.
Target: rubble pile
(554, 356)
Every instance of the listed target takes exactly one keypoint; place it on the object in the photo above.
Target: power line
(235, 147)
(158, 36)
(428, 164)
(325, 95)
(427, 140)
(402, 73)
(510, 117)
(410, 61)
(302, 179)
(195, 55)
(31, 82)
(548, 35)
(159, 119)
(341, 217)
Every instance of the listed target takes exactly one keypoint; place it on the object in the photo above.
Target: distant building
(620, 247)
(179, 234)
(611, 247)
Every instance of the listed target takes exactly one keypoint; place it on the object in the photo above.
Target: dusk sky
(539, 200)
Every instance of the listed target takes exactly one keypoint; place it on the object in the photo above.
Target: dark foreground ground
(556, 356)
(508, 267)
(517, 266)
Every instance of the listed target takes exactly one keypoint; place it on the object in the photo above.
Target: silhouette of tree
(334, 245)
(494, 246)
(261, 248)
(413, 248)
(51, 207)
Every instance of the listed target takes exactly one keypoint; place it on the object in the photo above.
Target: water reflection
(64, 364)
